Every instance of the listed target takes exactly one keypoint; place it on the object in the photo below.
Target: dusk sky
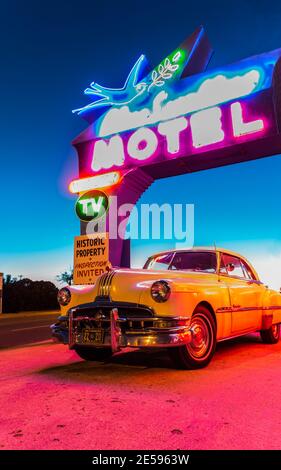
(50, 52)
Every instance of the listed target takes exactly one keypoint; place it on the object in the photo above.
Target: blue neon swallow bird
(118, 96)
(196, 55)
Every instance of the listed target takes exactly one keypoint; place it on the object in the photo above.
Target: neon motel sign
(216, 125)
(148, 122)
(179, 123)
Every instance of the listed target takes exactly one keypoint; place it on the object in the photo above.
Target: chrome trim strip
(273, 307)
(86, 318)
(237, 309)
(151, 319)
(247, 309)
(104, 284)
(115, 331)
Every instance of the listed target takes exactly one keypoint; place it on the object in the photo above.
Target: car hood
(129, 284)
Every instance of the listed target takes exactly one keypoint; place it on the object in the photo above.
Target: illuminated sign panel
(175, 118)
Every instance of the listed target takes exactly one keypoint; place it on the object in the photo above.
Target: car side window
(233, 266)
(247, 270)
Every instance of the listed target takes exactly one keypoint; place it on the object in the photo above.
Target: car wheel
(93, 354)
(199, 352)
(272, 335)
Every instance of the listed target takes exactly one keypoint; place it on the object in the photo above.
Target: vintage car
(182, 300)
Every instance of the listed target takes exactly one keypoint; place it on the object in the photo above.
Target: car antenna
(215, 246)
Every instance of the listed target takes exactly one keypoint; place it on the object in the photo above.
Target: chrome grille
(105, 284)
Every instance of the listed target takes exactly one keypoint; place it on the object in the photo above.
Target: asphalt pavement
(51, 399)
(19, 329)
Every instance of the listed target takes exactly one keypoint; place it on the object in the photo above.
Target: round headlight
(64, 296)
(160, 291)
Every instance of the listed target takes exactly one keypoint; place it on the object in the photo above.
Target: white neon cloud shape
(211, 92)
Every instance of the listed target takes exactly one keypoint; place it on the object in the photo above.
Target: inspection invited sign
(90, 257)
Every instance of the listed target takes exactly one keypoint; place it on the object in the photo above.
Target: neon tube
(94, 182)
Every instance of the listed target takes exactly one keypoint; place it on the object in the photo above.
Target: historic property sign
(90, 258)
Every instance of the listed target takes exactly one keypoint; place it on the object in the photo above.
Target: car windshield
(203, 261)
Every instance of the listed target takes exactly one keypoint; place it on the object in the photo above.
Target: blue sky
(50, 51)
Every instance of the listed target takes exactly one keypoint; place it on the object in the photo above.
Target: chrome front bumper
(116, 339)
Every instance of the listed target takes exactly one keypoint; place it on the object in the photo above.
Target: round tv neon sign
(92, 205)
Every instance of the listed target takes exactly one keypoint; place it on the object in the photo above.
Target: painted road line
(30, 328)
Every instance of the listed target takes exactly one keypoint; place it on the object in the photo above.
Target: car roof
(199, 248)
(209, 249)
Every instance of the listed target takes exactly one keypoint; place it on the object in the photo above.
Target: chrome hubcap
(201, 337)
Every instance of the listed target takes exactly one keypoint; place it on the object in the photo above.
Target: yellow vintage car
(182, 300)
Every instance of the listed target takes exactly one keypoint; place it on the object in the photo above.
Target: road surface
(20, 329)
(51, 399)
